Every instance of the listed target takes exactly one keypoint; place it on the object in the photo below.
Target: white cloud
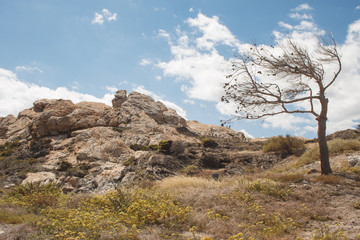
(213, 32)
(357, 8)
(16, 95)
(98, 18)
(191, 10)
(302, 7)
(28, 69)
(164, 34)
(343, 95)
(105, 14)
(158, 9)
(190, 101)
(178, 109)
(109, 16)
(196, 60)
(299, 16)
(145, 61)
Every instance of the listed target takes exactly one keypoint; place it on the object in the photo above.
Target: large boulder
(156, 110)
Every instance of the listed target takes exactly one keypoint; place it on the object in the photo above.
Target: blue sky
(176, 51)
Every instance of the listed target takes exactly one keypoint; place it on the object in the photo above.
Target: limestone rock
(120, 98)
(5, 122)
(12, 127)
(214, 131)
(39, 177)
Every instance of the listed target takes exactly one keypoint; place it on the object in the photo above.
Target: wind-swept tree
(288, 78)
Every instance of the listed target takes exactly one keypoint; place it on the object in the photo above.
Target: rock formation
(91, 146)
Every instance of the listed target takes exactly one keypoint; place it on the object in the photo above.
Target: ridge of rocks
(92, 146)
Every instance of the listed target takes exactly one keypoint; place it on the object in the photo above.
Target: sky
(176, 51)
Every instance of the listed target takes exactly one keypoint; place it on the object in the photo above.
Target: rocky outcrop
(91, 146)
(39, 177)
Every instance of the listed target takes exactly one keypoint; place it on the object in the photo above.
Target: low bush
(8, 148)
(35, 196)
(270, 188)
(165, 145)
(118, 214)
(130, 161)
(208, 142)
(190, 169)
(287, 145)
(340, 146)
(326, 233)
(138, 147)
(292, 177)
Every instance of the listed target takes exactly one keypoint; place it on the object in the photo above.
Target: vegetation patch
(119, 214)
(336, 147)
(35, 196)
(208, 142)
(138, 147)
(165, 145)
(8, 148)
(287, 145)
(190, 169)
(130, 161)
(293, 177)
(270, 188)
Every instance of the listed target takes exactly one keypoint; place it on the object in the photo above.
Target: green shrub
(80, 170)
(118, 215)
(190, 169)
(8, 148)
(34, 196)
(271, 188)
(138, 147)
(119, 129)
(288, 145)
(165, 145)
(340, 146)
(130, 161)
(324, 232)
(64, 166)
(121, 199)
(153, 147)
(208, 142)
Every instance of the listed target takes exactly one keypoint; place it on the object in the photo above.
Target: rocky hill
(169, 178)
(91, 146)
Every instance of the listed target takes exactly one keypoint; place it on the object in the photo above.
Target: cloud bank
(16, 95)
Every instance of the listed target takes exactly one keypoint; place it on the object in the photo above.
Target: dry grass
(286, 177)
(179, 183)
(336, 147)
(12, 214)
(272, 204)
(328, 179)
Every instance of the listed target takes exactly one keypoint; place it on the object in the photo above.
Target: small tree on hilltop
(268, 81)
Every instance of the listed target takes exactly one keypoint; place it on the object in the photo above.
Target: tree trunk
(324, 151)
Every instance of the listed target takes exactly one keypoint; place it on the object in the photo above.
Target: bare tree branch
(266, 82)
